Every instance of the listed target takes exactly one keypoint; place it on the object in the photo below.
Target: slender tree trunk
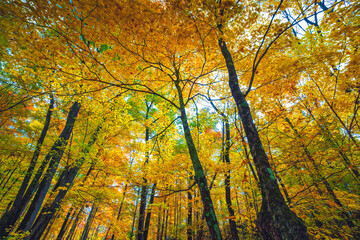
(120, 209)
(275, 220)
(75, 223)
(48, 229)
(8, 219)
(199, 177)
(189, 217)
(65, 225)
(149, 209)
(8, 189)
(64, 183)
(158, 231)
(89, 222)
(134, 215)
(53, 157)
(232, 222)
(141, 221)
(163, 221)
(142, 208)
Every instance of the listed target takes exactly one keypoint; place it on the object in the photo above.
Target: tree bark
(53, 157)
(142, 208)
(9, 218)
(148, 214)
(75, 224)
(64, 226)
(199, 177)
(189, 231)
(275, 220)
(64, 183)
(89, 221)
(233, 229)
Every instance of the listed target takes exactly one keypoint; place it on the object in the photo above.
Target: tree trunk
(120, 209)
(75, 224)
(200, 178)
(189, 217)
(89, 221)
(64, 183)
(233, 229)
(53, 157)
(141, 222)
(64, 226)
(275, 220)
(148, 214)
(8, 219)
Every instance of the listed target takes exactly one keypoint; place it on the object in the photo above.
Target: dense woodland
(178, 119)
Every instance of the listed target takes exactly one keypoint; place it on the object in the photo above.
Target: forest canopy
(178, 119)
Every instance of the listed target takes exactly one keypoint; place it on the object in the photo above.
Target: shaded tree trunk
(148, 215)
(120, 209)
(199, 177)
(233, 229)
(9, 218)
(64, 226)
(64, 183)
(53, 157)
(189, 231)
(75, 224)
(275, 220)
(143, 197)
(89, 221)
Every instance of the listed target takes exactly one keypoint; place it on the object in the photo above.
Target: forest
(179, 119)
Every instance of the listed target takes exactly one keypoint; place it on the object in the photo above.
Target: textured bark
(142, 208)
(89, 222)
(143, 197)
(134, 216)
(64, 183)
(189, 231)
(148, 214)
(199, 177)
(64, 226)
(53, 157)
(75, 223)
(275, 220)
(233, 229)
(9, 218)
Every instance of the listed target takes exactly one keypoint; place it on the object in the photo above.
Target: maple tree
(198, 119)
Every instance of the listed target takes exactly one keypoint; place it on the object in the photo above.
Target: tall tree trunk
(53, 157)
(275, 220)
(64, 183)
(163, 221)
(65, 224)
(134, 215)
(89, 221)
(9, 218)
(75, 223)
(189, 231)
(120, 209)
(233, 229)
(199, 177)
(143, 197)
(148, 214)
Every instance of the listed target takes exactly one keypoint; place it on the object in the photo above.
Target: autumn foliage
(212, 119)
